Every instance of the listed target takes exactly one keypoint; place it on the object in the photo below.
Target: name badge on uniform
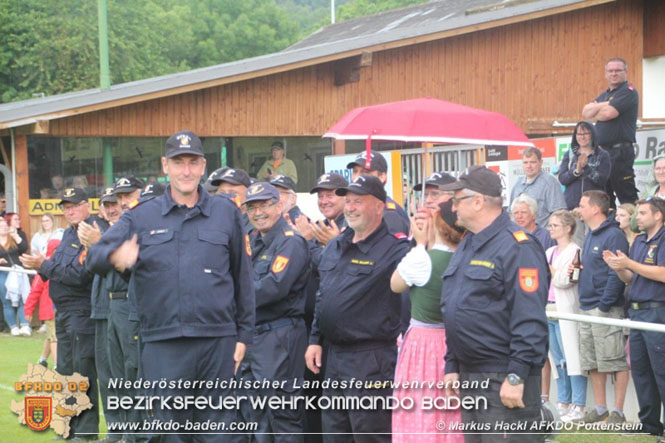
(158, 231)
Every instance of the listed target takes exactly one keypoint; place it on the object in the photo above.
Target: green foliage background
(51, 47)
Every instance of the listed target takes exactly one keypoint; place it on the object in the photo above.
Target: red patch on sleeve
(528, 278)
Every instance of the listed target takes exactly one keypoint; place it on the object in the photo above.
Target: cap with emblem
(74, 195)
(152, 190)
(277, 145)
(127, 184)
(479, 179)
(436, 179)
(377, 162)
(183, 142)
(329, 181)
(365, 185)
(230, 175)
(261, 191)
(108, 196)
(283, 181)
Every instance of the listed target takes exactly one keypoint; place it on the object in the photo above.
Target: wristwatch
(514, 379)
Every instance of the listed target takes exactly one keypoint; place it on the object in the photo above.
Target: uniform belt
(635, 306)
(117, 295)
(264, 327)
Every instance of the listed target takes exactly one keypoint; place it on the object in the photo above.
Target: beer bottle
(577, 265)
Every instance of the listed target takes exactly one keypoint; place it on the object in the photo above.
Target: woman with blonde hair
(564, 341)
(47, 231)
(623, 216)
(421, 356)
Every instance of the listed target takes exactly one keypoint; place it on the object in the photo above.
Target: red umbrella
(428, 120)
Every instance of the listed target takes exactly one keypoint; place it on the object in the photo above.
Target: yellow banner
(52, 206)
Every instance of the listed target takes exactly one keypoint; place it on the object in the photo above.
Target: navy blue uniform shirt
(493, 300)
(71, 283)
(600, 287)
(355, 304)
(648, 252)
(281, 272)
(193, 277)
(625, 99)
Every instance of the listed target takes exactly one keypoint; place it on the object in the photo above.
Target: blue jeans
(9, 310)
(569, 387)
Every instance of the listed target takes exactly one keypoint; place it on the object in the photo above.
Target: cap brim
(323, 188)
(72, 200)
(454, 186)
(358, 191)
(109, 199)
(126, 190)
(183, 152)
(219, 181)
(258, 199)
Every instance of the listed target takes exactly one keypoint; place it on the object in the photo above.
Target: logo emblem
(69, 192)
(185, 140)
(248, 246)
(38, 412)
(124, 182)
(279, 264)
(229, 173)
(255, 189)
(107, 192)
(324, 178)
(528, 278)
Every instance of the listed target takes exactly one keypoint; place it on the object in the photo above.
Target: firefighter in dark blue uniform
(233, 183)
(493, 301)
(395, 216)
(287, 193)
(645, 268)
(70, 290)
(357, 315)
(193, 282)
(281, 272)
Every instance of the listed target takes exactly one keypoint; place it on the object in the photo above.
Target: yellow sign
(39, 206)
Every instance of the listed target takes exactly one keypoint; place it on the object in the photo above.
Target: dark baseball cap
(283, 181)
(436, 179)
(277, 145)
(377, 162)
(127, 184)
(183, 142)
(479, 179)
(365, 185)
(329, 181)
(230, 175)
(261, 191)
(74, 195)
(153, 190)
(108, 196)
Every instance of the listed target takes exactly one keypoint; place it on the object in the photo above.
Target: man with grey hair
(524, 211)
(539, 185)
(495, 320)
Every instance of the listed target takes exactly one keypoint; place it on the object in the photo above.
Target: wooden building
(536, 61)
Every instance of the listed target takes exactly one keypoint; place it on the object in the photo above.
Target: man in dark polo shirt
(615, 114)
(645, 269)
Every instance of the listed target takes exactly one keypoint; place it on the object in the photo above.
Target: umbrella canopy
(428, 120)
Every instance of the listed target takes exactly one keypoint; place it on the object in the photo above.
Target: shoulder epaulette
(520, 236)
(400, 236)
(390, 205)
(135, 203)
(289, 233)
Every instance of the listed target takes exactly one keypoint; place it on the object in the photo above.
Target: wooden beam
(310, 62)
(22, 182)
(39, 127)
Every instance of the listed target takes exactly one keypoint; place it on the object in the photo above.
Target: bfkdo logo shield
(38, 412)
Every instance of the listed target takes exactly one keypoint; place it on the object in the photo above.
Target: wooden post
(22, 182)
(339, 147)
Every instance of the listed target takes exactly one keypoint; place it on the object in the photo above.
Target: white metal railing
(21, 270)
(640, 123)
(644, 326)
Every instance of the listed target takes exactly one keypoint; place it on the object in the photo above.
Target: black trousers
(647, 363)
(521, 420)
(76, 353)
(103, 367)
(359, 425)
(277, 355)
(622, 175)
(123, 355)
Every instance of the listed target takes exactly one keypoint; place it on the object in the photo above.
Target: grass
(17, 352)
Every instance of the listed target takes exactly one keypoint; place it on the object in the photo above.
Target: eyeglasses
(262, 207)
(71, 208)
(583, 133)
(456, 200)
(552, 226)
(614, 71)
